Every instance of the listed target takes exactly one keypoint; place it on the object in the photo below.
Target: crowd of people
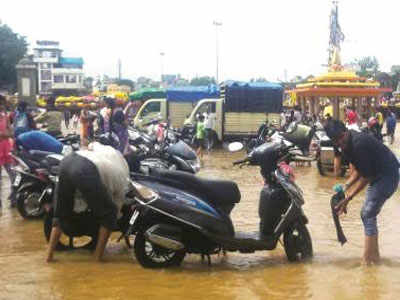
(32, 130)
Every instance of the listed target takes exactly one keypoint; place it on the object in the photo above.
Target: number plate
(134, 218)
(17, 180)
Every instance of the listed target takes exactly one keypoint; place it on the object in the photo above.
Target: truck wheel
(297, 243)
(320, 168)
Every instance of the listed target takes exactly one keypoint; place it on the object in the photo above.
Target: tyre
(28, 202)
(67, 242)
(153, 256)
(320, 168)
(297, 243)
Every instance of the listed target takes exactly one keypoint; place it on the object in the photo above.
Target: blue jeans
(377, 193)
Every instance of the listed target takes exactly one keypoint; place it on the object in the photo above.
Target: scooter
(178, 213)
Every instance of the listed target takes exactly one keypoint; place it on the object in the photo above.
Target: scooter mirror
(235, 146)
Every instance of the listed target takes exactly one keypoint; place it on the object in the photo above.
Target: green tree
(204, 80)
(368, 66)
(395, 72)
(127, 82)
(385, 79)
(13, 47)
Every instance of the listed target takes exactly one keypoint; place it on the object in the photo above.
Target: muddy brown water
(334, 273)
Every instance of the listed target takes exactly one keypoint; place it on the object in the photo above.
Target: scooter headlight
(143, 193)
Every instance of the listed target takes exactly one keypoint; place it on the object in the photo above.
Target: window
(45, 86)
(45, 66)
(152, 107)
(58, 78)
(45, 75)
(70, 78)
(209, 107)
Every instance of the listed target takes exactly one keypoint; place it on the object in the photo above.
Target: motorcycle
(263, 134)
(169, 153)
(31, 176)
(178, 213)
(31, 179)
(325, 154)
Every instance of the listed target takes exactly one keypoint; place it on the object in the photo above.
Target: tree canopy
(13, 47)
(204, 80)
(368, 66)
(127, 82)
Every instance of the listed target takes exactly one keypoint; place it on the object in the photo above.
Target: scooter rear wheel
(153, 256)
(297, 243)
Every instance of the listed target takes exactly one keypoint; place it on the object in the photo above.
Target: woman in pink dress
(6, 145)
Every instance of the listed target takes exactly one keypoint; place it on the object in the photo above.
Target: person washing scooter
(373, 164)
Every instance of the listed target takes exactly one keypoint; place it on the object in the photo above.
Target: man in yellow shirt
(379, 117)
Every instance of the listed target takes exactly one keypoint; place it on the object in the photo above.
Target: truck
(240, 110)
(177, 105)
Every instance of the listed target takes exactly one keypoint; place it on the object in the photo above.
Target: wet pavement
(334, 273)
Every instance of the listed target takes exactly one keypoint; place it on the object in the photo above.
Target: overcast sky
(257, 38)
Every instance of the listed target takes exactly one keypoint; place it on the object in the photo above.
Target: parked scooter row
(31, 175)
(173, 213)
(164, 150)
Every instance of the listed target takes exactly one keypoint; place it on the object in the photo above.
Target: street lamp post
(216, 24)
(162, 65)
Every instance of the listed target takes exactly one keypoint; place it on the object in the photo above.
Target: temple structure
(338, 86)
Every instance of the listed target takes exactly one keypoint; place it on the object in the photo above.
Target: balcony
(51, 60)
(64, 71)
(67, 86)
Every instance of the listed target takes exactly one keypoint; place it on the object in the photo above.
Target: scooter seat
(38, 154)
(220, 192)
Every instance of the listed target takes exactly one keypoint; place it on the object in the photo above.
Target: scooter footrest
(244, 241)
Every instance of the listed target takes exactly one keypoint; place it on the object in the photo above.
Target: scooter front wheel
(153, 256)
(297, 243)
(28, 202)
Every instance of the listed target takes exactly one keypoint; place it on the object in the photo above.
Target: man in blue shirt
(39, 140)
(391, 125)
(373, 164)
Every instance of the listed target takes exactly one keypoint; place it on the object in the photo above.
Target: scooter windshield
(291, 187)
(182, 150)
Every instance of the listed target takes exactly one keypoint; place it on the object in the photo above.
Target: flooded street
(334, 273)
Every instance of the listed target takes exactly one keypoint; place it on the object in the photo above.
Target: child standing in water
(6, 146)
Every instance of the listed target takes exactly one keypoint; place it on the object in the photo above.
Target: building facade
(57, 74)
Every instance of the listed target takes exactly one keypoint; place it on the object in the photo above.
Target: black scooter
(178, 213)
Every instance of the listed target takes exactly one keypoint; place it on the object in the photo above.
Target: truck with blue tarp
(177, 105)
(241, 109)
